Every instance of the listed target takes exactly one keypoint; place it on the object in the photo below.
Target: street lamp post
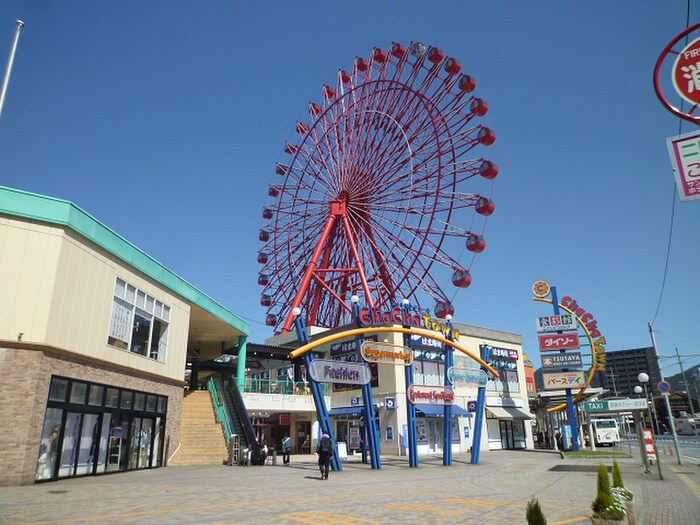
(640, 435)
(644, 379)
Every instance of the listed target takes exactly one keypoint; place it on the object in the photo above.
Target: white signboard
(559, 380)
(339, 372)
(684, 151)
(556, 323)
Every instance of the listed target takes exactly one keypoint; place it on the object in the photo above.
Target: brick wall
(24, 387)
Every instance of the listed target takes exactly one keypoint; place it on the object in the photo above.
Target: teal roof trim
(57, 211)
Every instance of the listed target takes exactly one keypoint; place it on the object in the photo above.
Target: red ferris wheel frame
(666, 53)
(380, 181)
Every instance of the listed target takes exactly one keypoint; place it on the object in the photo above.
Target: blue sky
(164, 120)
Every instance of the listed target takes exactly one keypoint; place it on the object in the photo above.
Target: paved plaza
(493, 492)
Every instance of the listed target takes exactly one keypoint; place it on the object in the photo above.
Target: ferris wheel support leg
(356, 255)
(303, 288)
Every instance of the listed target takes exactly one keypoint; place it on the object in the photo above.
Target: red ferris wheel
(384, 177)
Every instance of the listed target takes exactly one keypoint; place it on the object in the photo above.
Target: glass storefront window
(50, 440)
(127, 399)
(78, 393)
(112, 399)
(96, 393)
(140, 401)
(77, 440)
(59, 389)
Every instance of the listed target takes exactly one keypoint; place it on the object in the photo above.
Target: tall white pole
(671, 422)
(8, 70)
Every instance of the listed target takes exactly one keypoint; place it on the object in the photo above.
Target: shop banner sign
(684, 151)
(556, 323)
(386, 353)
(551, 342)
(559, 380)
(430, 395)
(649, 444)
(339, 372)
(460, 376)
(567, 360)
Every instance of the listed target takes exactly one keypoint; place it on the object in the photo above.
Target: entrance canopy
(508, 413)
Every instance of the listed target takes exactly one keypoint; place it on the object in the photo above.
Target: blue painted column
(410, 407)
(447, 422)
(370, 426)
(480, 412)
(317, 392)
(240, 363)
(571, 413)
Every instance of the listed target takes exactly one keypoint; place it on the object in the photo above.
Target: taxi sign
(615, 405)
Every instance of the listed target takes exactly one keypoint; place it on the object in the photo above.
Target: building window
(139, 322)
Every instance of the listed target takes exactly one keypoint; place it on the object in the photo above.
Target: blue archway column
(317, 392)
(370, 426)
(447, 423)
(410, 407)
(480, 412)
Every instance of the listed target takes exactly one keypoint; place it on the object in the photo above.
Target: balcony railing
(280, 386)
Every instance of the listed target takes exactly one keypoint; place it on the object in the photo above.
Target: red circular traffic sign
(664, 387)
(686, 72)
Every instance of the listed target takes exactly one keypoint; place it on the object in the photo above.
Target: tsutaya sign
(330, 371)
(568, 360)
(386, 353)
(430, 395)
(375, 316)
(615, 405)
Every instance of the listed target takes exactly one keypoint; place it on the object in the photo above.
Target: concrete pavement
(493, 492)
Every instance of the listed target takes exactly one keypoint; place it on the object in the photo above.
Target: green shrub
(605, 505)
(618, 489)
(617, 475)
(534, 514)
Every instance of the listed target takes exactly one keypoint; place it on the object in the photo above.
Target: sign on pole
(567, 360)
(341, 372)
(556, 323)
(684, 151)
(551, 342)
(559, 380)
(664, 387)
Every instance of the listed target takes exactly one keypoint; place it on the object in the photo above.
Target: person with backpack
(286, 449)
(325, 453)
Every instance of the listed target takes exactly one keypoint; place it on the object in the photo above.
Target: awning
(346, 411)
(439, 411)
(508, 413)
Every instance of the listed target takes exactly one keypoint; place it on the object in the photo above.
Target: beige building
(94, 338)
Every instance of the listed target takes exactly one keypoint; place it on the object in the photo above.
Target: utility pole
(8, 70)
(687, 390)
(665, 396)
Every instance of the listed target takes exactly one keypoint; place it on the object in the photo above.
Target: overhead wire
(673, 205)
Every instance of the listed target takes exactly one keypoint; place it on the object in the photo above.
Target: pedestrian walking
(325, 453)
(286, 449)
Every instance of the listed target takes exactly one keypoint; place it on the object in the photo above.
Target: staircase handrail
(222, 416)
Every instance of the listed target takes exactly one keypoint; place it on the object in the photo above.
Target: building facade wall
(59, 291)
(27, 375)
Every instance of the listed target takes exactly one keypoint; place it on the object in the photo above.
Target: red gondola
(488, 169)
(476, 243)
(485, 206)
(461, 279)
(443, 309)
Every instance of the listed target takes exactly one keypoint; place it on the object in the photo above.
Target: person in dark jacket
(325, 453)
